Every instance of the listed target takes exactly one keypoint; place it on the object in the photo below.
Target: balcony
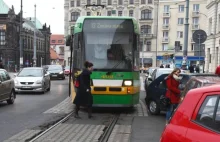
(166, 27)
(195, 27)
(146, 20)
(195, 14)
(147, 36)
(166, 14)
(165, 40)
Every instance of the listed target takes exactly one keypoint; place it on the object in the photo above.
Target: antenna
(95, 9)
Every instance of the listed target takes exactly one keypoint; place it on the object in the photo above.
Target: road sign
(199, 36)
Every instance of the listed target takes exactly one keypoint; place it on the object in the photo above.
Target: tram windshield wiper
(115, 66)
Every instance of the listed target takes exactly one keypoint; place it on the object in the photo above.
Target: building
(171, 28)
(212, 43)
(57, 42)
(9, 40)
(142, 10)
(54, 57)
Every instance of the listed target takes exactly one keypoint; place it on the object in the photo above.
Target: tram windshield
(109, 46)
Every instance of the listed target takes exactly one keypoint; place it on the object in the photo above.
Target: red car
(197, 118)
(67, 70)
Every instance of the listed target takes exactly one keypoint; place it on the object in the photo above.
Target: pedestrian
(83, 94)
(161, 66)
(191, 69)
(217, 71)
(1, 65)
(197, 68)
(173, 92)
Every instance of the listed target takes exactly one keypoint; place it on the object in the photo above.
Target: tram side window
(77, 52)
(136, 52)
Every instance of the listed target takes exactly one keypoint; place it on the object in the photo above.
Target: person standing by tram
(83, 94)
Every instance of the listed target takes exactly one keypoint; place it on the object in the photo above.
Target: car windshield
(52, 68)
(31, 73)
(160, 72)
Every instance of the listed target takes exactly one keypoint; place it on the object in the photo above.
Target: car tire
(11, 99)
(153, 107)
(48, 89)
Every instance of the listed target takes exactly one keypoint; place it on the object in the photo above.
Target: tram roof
(77, 29)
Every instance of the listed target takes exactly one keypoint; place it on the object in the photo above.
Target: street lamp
(20, 39)
(142, 60)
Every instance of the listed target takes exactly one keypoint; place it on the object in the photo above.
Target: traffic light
(171, 56)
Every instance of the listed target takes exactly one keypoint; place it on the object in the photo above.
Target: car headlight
(39, 82)
(61, 72)
(15, 81)
(127, 83)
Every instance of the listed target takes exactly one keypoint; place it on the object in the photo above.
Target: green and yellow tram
(112, 45)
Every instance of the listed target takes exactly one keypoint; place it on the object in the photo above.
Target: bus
(112, 45)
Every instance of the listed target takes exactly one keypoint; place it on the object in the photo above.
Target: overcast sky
(48, 11)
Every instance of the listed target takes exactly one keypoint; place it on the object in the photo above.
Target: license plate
(54, 75)
(26, 87)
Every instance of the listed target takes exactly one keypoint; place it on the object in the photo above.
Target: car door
(2, 87)
(5, 85)
(205, 122)
(47, 78)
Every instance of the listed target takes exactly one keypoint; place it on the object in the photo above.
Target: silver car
(32, 79)
(7, 92)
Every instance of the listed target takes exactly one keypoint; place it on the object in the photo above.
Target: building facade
(212, 43)
(171, 28)
(142, 10)
(9, 40)
(57, 43)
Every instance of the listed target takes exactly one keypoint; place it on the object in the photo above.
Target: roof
(3, 7)
(56, 39)
(53, 54)
(38, 23)
(80, 20)
(30, 26)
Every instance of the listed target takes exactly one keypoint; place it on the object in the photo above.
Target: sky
(50, 12)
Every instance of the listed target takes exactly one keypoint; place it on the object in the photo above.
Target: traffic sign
(199, 36)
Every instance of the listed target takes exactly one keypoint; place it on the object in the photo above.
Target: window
(143, 1)
(74, 16)
(192, 46)
(149, 1)
(165, 47)
(60, 41)
(120, 2)
(146, 29)
(181, 8)
(109, 13)
(119, 13)
(165, 34)
(179, 34)
(180, 21)
(131, 1)
(195, 21)
(131, 13)
(78, 3)
(99, 2)
(72, 3)
(166, 8)
(4, 76)
(209, 113)
(165, 21)
(196, 7)
(219, 22)
(109, 2)
(88, 13)
(146, 14)
(89, 2)
(148, 46)
(210, 26)
(2, 38)
(53, 41)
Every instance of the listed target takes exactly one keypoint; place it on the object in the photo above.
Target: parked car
(197, 118)
(67, 70)
(32, 79)
(148, 75)
(7, 87)
(56, 71)
(158, 88)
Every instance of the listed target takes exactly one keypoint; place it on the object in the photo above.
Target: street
(33, 113)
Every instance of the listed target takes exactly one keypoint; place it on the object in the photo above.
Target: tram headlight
(127, 82)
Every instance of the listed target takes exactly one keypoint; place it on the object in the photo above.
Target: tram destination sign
(107, 25)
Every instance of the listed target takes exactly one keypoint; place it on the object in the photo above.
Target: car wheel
(48, 89)
(153, 107)
(44, 89)
(11, 98)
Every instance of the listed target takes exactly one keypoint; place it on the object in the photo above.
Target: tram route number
(107, 76)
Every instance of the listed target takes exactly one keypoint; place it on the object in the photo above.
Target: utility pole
(142, 59)
(186, 30)
(20, 39)
(34, 58)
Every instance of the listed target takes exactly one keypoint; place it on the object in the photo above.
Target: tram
(112, 45)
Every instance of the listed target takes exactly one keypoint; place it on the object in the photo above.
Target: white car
(32, 79)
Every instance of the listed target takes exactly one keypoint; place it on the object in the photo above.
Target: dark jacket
(191, 69)
(1, 66)
(173, 91)
(83, 94)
